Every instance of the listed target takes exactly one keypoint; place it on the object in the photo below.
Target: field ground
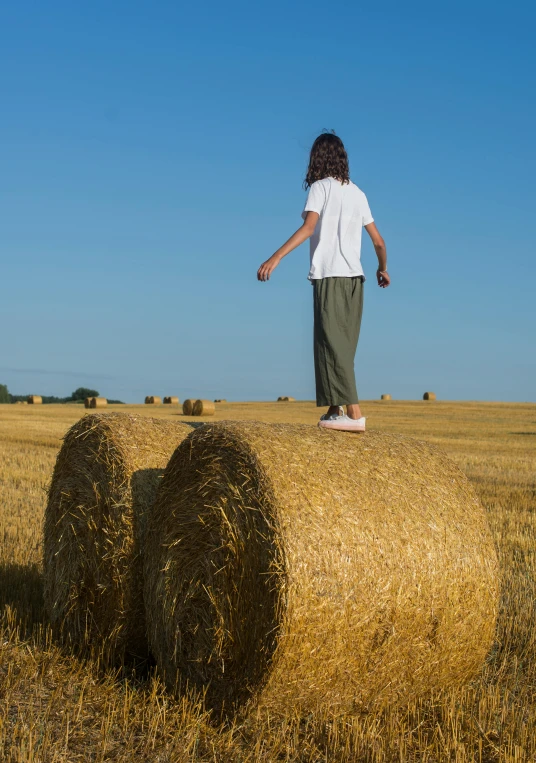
(55, 708)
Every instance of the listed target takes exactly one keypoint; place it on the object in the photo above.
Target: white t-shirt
(336, 241)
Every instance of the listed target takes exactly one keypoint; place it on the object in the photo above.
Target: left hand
(268, 267)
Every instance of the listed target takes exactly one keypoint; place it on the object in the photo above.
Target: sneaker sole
(341, 427)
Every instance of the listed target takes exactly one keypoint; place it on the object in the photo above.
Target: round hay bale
(172, 400)
(386, 397)
(21, 402)
(153, 400)
(104, 482)
(220, 400)
(203, 408)
(98, 402)
(35, 399)
(188, 406)
(286, 399)
(429, 396)
(87, 402)
(293, 567)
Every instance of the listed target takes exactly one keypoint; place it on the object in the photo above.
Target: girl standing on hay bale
(335, 212)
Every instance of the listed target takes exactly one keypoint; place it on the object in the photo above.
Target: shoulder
(320, 185)
(357, 190)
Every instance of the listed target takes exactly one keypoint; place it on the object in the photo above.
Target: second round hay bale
(105, 479)
(203, 408)
(386, 397)
(429, 396)
(287, 566)
(153, 400)
(188, 406)
(35, 399)
(98, 402)
(171, 400)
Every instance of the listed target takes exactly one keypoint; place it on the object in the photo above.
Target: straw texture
(35, 399)
(290, 566)
(98, 402)
(153, 400)
(104, 482)
(171, 400)
(203, 408)
(429, 396)
(386, 397)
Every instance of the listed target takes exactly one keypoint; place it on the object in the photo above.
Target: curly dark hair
(328, 159)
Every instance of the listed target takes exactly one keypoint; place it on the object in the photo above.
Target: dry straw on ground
(295, 567)
(98, 402)
(386, 397)
(286, 399)
(104, 481)
(203, 408)
(429, 396)
(188, 406)
(171, 400)
(35, 399)
(153, 400)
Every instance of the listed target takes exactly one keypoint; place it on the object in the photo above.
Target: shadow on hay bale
(291, 587)
(105, 479)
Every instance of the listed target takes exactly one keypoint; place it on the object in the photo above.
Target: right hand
(383, 279)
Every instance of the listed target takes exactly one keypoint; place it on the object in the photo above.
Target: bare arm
(381, 253)
(301, 235)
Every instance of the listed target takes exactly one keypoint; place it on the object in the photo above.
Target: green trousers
(338, 306)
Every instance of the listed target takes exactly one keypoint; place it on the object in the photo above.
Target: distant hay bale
(21, 402)
(171, 400)
(286, 399)
(105, 479)
(268, 582)
(188, 406)
(203, 408)
(429, 396)
(386, 397)
(87, 402)
(35, 399)
(98, 402)
(220, 400)
(153, 400)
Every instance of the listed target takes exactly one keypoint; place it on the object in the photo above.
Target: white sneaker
(343, 423)
(328, 417)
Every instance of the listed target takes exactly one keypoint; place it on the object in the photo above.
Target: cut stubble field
(56, 707)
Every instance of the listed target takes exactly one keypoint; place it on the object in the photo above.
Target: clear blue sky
(152, 155)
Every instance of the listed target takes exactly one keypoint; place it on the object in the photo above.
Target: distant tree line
(78, 396)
